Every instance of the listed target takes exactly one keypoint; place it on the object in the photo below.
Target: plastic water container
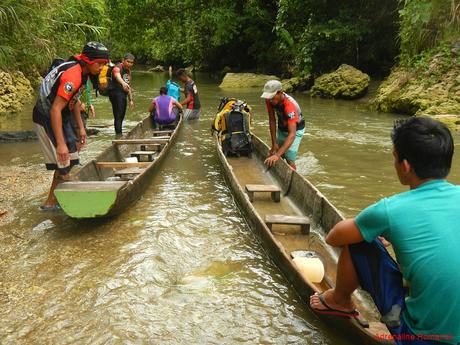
(311, 268)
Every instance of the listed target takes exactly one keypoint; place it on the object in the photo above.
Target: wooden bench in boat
(304, 222)
(149, 141)
(139, 154)
(121, 165)
(128, 173)
(157, 147)
(164, 132)
(266, 188)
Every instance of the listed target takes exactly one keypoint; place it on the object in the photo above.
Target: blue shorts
(379, 275)
(291, 153)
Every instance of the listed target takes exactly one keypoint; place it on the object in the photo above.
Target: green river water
(181, 266)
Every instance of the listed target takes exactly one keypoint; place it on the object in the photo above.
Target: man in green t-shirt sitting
(423, 226)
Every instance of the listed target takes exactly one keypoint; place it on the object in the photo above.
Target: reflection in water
(180, 266)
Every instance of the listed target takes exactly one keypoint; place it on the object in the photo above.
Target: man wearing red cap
(60, 91)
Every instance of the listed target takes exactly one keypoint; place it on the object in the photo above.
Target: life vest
(233, 126)
(105, 80)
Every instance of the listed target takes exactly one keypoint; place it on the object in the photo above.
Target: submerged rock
(15, 90)
(245, 80)
(346, 82)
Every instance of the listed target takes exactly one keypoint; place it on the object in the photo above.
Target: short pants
(191, 114)
(291, 153)
(379, 275)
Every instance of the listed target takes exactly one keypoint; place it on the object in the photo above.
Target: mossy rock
(15, 90)
(245, 80)
(433, 91)
(452, 121)
(300, 83)
(346, 82)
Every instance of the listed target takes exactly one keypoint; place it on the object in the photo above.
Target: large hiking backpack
(233, 126)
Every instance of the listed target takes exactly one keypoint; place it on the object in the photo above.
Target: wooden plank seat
(156, 147)
(128, 173)
(303, 221)
(121, 165)
(263, 188)
(163, 132)
(149, 141)
(139, 154)
(161, 137)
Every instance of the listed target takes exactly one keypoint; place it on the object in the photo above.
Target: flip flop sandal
(332, 311)
(56, 207)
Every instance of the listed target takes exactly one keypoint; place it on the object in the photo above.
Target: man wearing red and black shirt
(291, 125)
(61, 88)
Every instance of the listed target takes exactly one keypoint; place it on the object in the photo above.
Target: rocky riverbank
(15, 90)
(431, 87)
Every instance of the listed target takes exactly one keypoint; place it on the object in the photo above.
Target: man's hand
(274, 149)
(83, 137)
(131, 104)
(384, 241)
(91, 111)
(62, 153)
(270, 161)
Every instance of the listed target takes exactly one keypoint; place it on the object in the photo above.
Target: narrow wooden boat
(281, 205)
(108, 184)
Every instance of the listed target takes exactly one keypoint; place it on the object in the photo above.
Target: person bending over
(60, 91)
(291, 125)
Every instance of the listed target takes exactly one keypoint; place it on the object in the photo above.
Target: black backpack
(237, 140)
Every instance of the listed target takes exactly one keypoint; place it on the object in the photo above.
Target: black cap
(95, 51)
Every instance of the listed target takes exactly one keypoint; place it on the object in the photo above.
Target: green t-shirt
(423, 225)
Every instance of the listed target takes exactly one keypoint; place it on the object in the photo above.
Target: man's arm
(152, 106)
(272, 123)
(187, 100)
(62, 150)
(119, 79)
(344, 233)
(177, 104)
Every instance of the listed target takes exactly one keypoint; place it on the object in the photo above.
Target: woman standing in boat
(291, 125)
(422, 226)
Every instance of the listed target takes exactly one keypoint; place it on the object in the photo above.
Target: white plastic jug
(310, 268)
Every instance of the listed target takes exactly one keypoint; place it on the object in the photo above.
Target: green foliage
(34, 32)
(425, 24)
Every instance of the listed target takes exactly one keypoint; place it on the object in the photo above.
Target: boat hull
(305, 199)
(92, 196)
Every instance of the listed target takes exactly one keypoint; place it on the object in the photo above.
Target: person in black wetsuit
(121, 92)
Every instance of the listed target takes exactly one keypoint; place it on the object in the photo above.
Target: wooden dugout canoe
(108, 184)
(244, 175)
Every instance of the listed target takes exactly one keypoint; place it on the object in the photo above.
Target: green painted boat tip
(87, 199)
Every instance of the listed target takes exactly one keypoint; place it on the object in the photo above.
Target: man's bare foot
(328, 296)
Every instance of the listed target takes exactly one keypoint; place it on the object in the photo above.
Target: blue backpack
(173, 90)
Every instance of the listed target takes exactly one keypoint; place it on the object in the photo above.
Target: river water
(181, 266)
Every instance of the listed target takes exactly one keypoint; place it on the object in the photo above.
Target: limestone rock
(346, 82)
(297, 83)
(15, 90)
(245, 80)
(434, 91)
(157, 68)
